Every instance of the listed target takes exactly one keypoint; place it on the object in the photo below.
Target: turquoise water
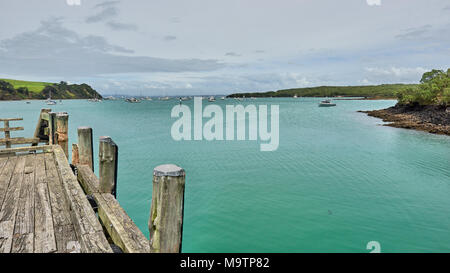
(337, 181)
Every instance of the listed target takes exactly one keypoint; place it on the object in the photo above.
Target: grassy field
(34, 87)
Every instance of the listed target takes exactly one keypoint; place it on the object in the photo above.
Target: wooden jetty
(48, 205)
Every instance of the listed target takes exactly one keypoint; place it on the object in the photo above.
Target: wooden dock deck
(48, 205)
(36, 215)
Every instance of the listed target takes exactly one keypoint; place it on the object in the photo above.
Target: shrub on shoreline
(434, 88)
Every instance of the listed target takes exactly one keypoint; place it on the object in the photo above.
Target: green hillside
(19, 90)
(34, 87)
(373, 91)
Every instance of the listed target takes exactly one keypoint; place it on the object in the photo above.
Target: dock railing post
(167, 209)
(108, 152)
(85, 149)
(62, 130)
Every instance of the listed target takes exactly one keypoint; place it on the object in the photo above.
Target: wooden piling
(75, 154)
(7, 134)
(37, 131)
(166, 215)
(52, 129)
(108, 152)
(85, 147)
(62, 130)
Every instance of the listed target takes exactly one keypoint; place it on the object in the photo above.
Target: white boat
(164, 98)
(212, 99)
(133, 100)
(148, 98)
(326, 103)
(295, 96)
(49, 101)
(222, 98)
(110, 98)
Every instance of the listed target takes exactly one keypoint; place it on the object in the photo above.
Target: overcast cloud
(218, 47)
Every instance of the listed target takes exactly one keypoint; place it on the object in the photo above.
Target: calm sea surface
(337, 181)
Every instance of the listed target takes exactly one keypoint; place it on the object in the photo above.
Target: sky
(201, 47)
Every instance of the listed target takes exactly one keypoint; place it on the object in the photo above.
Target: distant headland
(384, 91)
(25, 90)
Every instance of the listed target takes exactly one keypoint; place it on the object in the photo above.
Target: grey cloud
(107, 4)
(175, 20)
(414, 33)
(53, 50)
(109, 11)
(103, 15)
(170, 38)
(121, 26)
(232, 54)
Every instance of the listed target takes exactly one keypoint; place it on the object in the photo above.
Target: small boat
(49, 101)
(185, 98)
(110, 98)
(164, 98)
(222, 98)
(295, 96)
(133, 100)
(212, 99)
(28, 102)
(148, 98)
(326, 103)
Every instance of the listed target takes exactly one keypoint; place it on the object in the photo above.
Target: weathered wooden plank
(44, 239)
(87, 179)
(23, 241)
(3, 161)
(9, 208)
(58, 200)
(86, 224)
(95, 243)
(66, 239)
(12, 129)
(122, 230)
(10, 119)
(47, 148)
(5, 177)
(18, 140)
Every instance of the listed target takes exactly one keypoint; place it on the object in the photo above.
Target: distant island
(384, 91)
(25, 90)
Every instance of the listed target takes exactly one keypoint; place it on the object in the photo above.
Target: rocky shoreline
(434, 119)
